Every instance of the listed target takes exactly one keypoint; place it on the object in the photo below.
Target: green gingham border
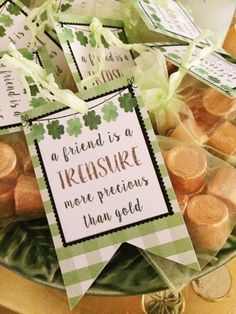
(83, 20)
(81, 263)
(163, 31)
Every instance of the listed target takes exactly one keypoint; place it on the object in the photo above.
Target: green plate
(27, 248)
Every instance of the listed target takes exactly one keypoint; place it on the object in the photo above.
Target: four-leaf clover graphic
(33, 90)
(110, 112)
(92, 40)
(92, 120)
(104, 42)
(66, 35)
(27, 54)
(122, 37)
(36, 102)
(74, 127)
(55, 129)
(65, 6)
(37, 132)
(2, 31)
(13, 9)
(81, 38)
(127, 102)
(6, 20)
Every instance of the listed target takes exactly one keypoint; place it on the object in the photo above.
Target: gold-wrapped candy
(223, 185)
(27, 196)
(207, 218)
(216, 107)
(187, 167)
(19, 193)
(8, 163)
(224, 138)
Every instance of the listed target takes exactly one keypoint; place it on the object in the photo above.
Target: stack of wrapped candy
(206, 192)
(213, 123)
(19, 193)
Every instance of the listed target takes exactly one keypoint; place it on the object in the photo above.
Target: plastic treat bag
(186, 109)
(19, 193)
(206, 192)
(214, 119)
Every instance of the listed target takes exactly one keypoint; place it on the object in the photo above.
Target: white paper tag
(213, 70)
(169, 18)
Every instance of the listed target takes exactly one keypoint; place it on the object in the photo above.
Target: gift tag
(169, 18)
(14, 97)
(213, 70)
(78, 44)
(100, 8)
(103, 182)
(14, 29)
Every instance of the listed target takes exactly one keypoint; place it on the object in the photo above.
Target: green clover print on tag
(67, 35)
(55, 129)
(6, 20)
(127, 102)
(2, 31)
(92, 120)
(110, 112)
(37, 132)
(37, 102)
(81, 38)
(74, 127)
(13, 9)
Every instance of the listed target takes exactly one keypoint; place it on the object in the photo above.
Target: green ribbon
(42, 17)
(99, 32)
(45, 83)
(162, 94)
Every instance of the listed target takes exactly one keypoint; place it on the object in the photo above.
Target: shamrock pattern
(2, 31)
(81, 38)
(122, 37)
(92, 40)
(37, 132)
(55, 129)
(65, 6)
(27, 54)
(74, 127)
(127, 102)
(110, 112)
(92, 120)
(6, 20)
(66, 35)
(13, 9)
(105, 44)
(33, 90)
(37, 102)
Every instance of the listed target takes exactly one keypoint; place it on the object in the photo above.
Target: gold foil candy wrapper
(223, 185)
(224, 138)
(205, 188)
(187, 167)
(216, 107)
(19, 193)
(8, 163)
(27, 196)
(207, 219)
(188, 132)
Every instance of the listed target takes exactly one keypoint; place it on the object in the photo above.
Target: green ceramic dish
(27, 248)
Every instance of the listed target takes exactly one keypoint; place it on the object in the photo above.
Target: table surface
(22, 296)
